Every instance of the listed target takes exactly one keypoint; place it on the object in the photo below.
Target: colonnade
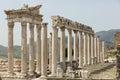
(28, 15)
(85, 44)
(39, 43)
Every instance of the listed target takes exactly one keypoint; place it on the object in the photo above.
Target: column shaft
(31, 50)
(80, 50)
(50, 51)
(44, 54)
(10, 47)
(92, 49)
(24, 48)
(103, 51)
(98, 50)
(95, 49)
(38, 48)
(85, 49)
(69, 46)
(54, 50)
(62, 47)
(75, 46)
(88, 49)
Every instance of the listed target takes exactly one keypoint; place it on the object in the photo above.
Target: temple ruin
(86, 46)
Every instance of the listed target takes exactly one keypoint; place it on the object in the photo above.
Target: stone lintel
(73, 25)
(28, 20)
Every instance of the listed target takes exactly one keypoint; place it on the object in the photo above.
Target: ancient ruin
(86, 47)
(116, 39)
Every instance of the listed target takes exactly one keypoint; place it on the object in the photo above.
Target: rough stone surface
(116, 39)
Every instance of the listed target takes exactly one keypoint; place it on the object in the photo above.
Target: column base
(8, 75)
(23, 74)
(80, 67)
(52, 75)
(84, 65)
(38, 73)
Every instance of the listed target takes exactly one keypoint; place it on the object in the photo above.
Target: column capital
(85, 33)
(80, 31)
(50, 33)
(23, 23)
(89, 34)
(92, 35)
(69, 30)
(75, 31)
(62, 28)
(44, 24)
(38, 26)
(31, 25)
(98, 36)
(10, 24)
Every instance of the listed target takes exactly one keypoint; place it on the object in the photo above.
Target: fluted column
(75, 45)
(95, 49)
(70, 46)
(62, 47)
(44, 53)
(103, 51)
(98, 49)
(85, 49)
(50, 51)
(54, 50)
(88, 49)
(31, 50)
(38, 48)
(80, 50)
(92, 50)
(24, 48)
(10, 47)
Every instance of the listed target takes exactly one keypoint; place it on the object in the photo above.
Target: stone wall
(116, 39)
(4, 65)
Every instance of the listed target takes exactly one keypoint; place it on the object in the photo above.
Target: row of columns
(41, 53)
(88, 49)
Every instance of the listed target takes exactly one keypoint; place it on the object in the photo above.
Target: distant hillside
(107, 35)
(4, 52)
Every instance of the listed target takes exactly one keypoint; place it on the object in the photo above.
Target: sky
(99, 14)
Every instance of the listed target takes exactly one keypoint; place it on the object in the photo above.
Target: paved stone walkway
(108, 73)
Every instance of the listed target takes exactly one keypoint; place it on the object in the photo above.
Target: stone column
(98, 49)
(80, 50)
(54, 50)
(89, 50)
(75, 46)
(10, 48)
(92, 49)
(103, 51)
(38, 48)
(44, 51)
(70, 46)
(24, 49)
(31, 50)
(50, 51)
(85, 49)
(95, 49)
(62, 47)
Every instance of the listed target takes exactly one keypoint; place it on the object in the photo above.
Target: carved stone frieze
(58, 21)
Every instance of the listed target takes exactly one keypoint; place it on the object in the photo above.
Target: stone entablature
(69, 24)
(25, 14)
